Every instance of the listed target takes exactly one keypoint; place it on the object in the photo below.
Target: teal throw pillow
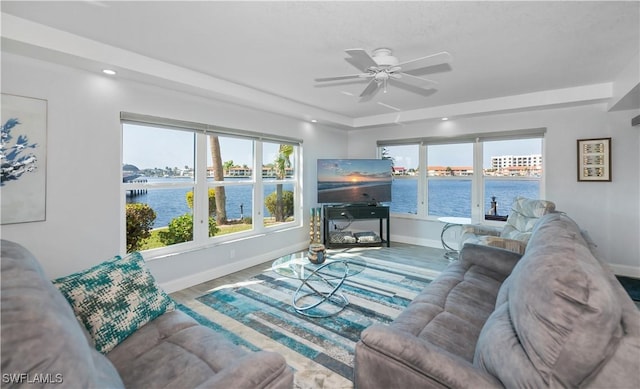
(114, 299)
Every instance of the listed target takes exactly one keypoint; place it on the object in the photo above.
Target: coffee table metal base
(330, 296)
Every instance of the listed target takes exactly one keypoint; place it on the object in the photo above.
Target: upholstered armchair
(514, 236)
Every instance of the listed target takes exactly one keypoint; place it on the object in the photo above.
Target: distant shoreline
(357, 193)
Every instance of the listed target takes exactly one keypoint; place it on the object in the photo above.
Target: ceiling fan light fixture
(383, 57)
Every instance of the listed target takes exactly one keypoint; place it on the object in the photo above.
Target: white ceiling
(267, 54)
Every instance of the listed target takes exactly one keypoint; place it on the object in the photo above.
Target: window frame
(477, 180)
(201, 185)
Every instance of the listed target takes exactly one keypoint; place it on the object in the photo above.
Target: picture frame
(594, 160)
(24, 159)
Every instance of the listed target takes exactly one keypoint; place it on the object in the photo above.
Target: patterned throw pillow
(114, 299)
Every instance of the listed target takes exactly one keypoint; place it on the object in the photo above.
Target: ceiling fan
(382, 67)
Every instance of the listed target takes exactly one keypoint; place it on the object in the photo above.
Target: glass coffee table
(319, 292)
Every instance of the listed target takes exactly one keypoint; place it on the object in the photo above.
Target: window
(449, 173)
(157, 184)
(230, 181)
(511, 168)
(278, 172)
(406, 168)
(445, 182)
(188, 184)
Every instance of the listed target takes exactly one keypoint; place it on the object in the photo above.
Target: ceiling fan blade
(417, 81)
(371, 89)
(411, 87)
(347, 77)
(360, 59)
(429, 60)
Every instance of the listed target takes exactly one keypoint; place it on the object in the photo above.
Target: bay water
(448, 197)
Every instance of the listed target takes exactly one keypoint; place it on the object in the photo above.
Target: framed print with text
(594, 159)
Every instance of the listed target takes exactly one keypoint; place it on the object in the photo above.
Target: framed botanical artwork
(594, 159)
(24, 159)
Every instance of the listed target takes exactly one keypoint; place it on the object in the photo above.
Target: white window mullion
(423, 185)
(200, 191)
(258, 192)
(477, 186)
(542, 181)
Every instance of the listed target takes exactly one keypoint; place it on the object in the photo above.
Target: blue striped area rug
(258, 315)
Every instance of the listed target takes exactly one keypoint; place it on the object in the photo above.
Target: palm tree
(227, 166)
(385, 155)
(449, 171)
(218, 175)
(282, 162)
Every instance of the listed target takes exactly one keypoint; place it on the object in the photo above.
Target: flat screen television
(354, 181)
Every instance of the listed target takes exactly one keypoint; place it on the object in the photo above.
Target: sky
(147, 147)
(462, 154)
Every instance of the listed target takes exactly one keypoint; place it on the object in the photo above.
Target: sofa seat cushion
(451, 311)
(191, 355)
(559, 319)
(115, 298)
(40, 334)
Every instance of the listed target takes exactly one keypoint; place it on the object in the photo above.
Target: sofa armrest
(478, 229)
(517, 246)
(497, 259)
(387, 357)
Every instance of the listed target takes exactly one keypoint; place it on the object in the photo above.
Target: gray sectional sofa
(554, 317)
(43, 344)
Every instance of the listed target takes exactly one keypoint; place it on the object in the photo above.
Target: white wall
(83, 170)
(609, 211)
(82, 225)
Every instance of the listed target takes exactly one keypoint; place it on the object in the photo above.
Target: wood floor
(399, 252)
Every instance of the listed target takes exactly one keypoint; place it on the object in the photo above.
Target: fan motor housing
(383, 57)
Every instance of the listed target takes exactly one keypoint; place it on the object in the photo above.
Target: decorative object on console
(341, 237)
(314, 225)
(317, 253)
(316, 248)
(367, 237)
(594, 159)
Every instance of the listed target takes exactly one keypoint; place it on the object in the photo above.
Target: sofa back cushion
(41, 338)
(524, 215)
(558, 315)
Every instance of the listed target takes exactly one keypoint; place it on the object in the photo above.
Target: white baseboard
(625, 270)
(232, 267)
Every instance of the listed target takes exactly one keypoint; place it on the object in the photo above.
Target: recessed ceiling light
(314, 121)
(109, 72)
(444, 119)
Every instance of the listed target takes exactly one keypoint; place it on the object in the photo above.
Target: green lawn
(154, 242)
